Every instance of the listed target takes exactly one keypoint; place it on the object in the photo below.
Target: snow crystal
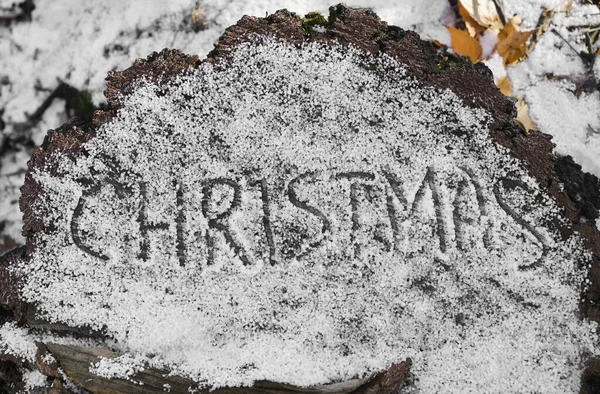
(123, 367)
(311, 215)
(48, 359)
(34, 379)
(16, 342)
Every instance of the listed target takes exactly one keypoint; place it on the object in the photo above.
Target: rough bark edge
(11, 306)
(157, 68)
(361, 28)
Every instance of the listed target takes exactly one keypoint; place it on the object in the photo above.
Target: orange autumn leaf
(464, 44)
(436, 43)
(504, 85)
(512, 43)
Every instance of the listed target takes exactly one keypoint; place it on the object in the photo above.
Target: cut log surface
(69, 364)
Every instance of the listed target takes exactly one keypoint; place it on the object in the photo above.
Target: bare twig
(10, 17)
(500, 11)
(542, 26)
(587, 58)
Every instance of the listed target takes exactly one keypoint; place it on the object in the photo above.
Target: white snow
(20, 342)
(34, 379)
(16, 342)
(123, 367)
(568, 118)
(488, 43)
(530, 10)
(494, 63)
(338, 303)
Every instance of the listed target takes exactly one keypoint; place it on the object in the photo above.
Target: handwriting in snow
(360, 187)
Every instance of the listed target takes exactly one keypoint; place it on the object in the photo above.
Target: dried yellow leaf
(542, 26)
(504, 85)
(523, 119)
(512, 43)
(565, 7)
(464, 44)
(198, 18)
(484, 12)
(437, 43)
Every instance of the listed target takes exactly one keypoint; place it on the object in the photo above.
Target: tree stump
(319, 206)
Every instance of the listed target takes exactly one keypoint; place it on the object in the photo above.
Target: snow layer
(393, 234)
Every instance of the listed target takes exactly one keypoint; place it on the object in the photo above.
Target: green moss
(336, 11)
(382, 36)
(313, 19)
(84, 107)
(444, 59)
(391, 33)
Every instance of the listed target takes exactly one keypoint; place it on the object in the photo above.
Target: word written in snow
(217, 222)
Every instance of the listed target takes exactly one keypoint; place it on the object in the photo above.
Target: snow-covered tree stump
(319, 206)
